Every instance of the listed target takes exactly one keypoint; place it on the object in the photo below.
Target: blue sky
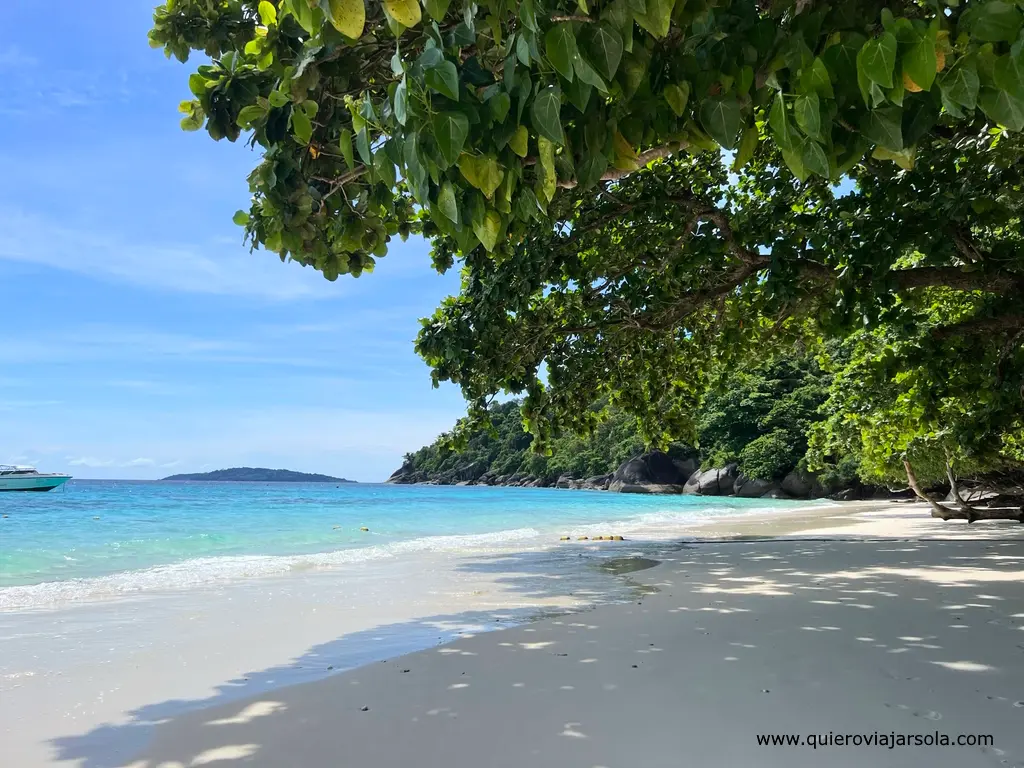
(140, 337)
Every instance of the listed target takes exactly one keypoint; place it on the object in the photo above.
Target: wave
(205, 571)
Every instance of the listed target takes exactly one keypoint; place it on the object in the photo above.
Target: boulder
(751, 488)
(597, 483)
(802, 485)
(713, 482)
(778, 493)
(564, 482)
(653, 467)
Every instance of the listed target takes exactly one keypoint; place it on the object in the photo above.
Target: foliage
(567, 155)
(488, 109)
(505, 450)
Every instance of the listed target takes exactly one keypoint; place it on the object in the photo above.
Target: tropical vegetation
(641, 194)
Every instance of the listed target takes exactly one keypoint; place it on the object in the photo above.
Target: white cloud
(192, 268)
(89, 461)
(170, 464)
(139, 463)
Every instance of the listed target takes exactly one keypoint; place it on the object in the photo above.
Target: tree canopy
(640, 192)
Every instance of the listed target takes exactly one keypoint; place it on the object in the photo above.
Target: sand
(852, 620)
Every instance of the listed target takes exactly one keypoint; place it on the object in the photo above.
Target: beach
(855, 618)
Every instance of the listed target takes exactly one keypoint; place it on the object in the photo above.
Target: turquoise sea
(98, 538)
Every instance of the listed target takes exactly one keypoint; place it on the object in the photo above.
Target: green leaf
(248, 115)
(519, 143)
(310, 107)
(402, 102)
(638, 6)
(919, 116)
(547, 177)
(546, 114)
(960, 84)
(920, 61)
(437, 8)
(579, 94)
(405, 12)
(197, 84)
(748, 144)
(528, 15)
(347, 16)
(560, 46)
(721, 119)
(482, 172)
(444, 79)
(604, 46)
(807, 110)
(877, 58)
(588, 74)
(658, 17)
(883, 126)
(301, 126)
(500, 104)
(488, 229)
(1007, 76)
(450, 132)
(817, 79)
(904, 159)
(794, 160)
(1003, 108)
(345, 145)
(363, 146)
(993, 22)
(278, 99)
(813, 158)
(241, 218)
(590, 170)
(779, 124)
(268, 13)
(447, 204)
(677, 96)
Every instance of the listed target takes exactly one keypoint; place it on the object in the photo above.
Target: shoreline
(730, 639)
(197, 649)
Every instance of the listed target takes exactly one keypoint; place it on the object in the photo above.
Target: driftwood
(964, 511)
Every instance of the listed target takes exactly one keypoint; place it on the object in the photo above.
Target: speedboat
(14, 478)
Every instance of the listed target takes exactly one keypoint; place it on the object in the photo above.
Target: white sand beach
(842, 619)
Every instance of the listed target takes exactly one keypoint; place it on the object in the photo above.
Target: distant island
(259, 475)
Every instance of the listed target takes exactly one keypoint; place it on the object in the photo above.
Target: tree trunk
(971, 512)
(966, 512)
(938, 510)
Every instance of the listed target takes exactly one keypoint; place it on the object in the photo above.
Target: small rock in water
(96, 518)
(765, 690)
(330, 668)
(364, 709)
(404, 671)
(364, 528)
(635, 666)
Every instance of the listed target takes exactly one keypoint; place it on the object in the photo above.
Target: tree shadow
(535, 577)
(914, 632)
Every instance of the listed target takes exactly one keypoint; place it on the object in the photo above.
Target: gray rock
(654, 467)
(564, 482)
(693, 483)
(777, 494)
(802, 485)
(597, 483)
(751, 488)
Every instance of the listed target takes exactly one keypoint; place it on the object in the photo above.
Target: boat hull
(38, 483)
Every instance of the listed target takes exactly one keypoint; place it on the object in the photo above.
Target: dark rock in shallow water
(564, 482)
(751, 488)
(802, 485)
(777, 494)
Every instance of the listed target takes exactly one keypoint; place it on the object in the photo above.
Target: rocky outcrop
(651, 472)
(713, 482)
(656, 472)
(752, 488)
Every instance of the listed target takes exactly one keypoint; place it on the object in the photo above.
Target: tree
(568, 155)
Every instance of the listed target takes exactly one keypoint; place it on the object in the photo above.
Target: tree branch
(585, 19)
(980, 325)
(937, 509)
(956, 278)
(649, 156)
